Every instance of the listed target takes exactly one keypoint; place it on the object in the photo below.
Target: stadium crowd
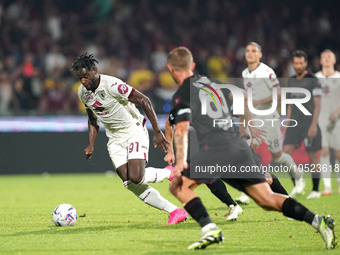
(40, 39)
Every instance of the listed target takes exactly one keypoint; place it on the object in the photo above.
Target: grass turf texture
(117, 222)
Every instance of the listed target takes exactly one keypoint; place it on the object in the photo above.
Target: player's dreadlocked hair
(84, 61)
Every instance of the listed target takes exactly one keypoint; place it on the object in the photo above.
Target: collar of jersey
(255, 68)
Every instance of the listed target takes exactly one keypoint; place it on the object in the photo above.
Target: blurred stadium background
(39, 40)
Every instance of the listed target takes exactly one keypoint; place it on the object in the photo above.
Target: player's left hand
(257, 134)
(312, 131)
(333, 116)
(179, 167)
(255, 103)
(160, 141)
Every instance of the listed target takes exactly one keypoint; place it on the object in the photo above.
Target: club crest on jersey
(249, 85)
(102, 94)
(325, 89)
(122, 89)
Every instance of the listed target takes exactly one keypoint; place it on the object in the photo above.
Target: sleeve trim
(131, 93)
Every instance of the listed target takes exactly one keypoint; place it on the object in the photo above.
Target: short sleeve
(121, 90)
(317, 89)
(271, 80)
(179, 113)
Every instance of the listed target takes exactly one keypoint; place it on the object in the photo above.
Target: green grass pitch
(117, 222)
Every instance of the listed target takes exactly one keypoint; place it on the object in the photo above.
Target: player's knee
(176, 185)
(136, 171)
(277, 156)
(269, 178)
(136, 178)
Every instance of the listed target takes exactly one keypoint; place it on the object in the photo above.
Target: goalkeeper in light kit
(111, 101)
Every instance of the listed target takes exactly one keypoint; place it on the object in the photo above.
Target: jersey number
(131, 147)
(275, 143)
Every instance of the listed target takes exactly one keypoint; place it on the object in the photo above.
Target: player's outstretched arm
(159, 138)
(181, 145)
(169, 157)
(93, 131)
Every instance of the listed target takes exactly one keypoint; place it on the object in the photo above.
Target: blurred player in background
(329, 117)
(112, 102)
(262, 79)
(222, 145)
(307, 129)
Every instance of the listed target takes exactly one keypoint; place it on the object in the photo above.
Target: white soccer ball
(64, 215)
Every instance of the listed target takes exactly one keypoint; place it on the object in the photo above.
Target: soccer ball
(64, 215)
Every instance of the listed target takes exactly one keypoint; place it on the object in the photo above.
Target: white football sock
(337, 166)
(153, 175)
(208, 227)
(316, 221)
(326, 172)
(288, 161)
(150, 196)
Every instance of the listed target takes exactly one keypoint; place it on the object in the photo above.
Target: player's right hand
(179, 167)
(160, 141)
(257, 134)
(88, 151)
(333, 116)
(170, 158)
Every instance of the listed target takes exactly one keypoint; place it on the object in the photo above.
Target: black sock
(277, 186)
(197, 210)
(292, 177)
(316, 180)
(293, 209)
(220, 191)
